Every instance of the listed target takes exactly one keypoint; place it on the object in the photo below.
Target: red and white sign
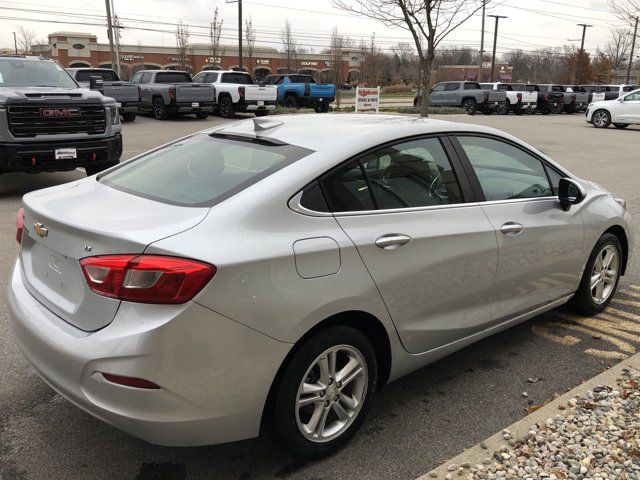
(367, 98)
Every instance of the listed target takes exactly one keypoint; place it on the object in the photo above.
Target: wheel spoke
(312, 387)
(340, 412)
(322, 422)
(595, 279)
(349, 378)
(608, 256)
(345, 371)
(325, 372)
(315, 418)
(332, 357)
(600, 291)
(303, 402)
(349, 402)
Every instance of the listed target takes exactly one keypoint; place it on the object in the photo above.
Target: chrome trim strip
(294, 204)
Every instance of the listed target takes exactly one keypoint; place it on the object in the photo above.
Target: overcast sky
(531, 25)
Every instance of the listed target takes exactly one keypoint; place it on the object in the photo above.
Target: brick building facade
(73, 49)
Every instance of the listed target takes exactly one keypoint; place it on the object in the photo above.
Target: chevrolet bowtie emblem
(40, 230)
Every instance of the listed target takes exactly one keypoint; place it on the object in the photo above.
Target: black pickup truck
(548, 101)
(125, 93)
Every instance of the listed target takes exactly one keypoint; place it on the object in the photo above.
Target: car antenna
(260, 124)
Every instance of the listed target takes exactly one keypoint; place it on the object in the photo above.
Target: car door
(451, 95)
(540, 246)
(436, 96)
(432, 256)
(628, 109)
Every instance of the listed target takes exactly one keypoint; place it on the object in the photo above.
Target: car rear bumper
(252, 105)
(129, 107)
(32, 156)
(214, 373)
(188, 107)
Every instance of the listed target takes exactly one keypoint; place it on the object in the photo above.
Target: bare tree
(182, 41)
(617, 49)
(26, 40)
(250, 41)
(337, 67)
(215, 30)
(428, 20)
(290, 46)
(629, 12)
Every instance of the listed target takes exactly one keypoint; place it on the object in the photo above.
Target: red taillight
(519, 97)
(241, 92)
(130, 381)
(172, 94)
(19, 224)
(486, 96)
(546, 97)
(146, 278)
(573, 98)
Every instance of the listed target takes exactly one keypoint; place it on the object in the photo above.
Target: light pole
(110, 34)
(480, 73)
(495, 41)
(15, 42)
(239, 2)
(633, 44)
(578, 76)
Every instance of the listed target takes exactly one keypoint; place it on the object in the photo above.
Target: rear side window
(241, 78)
(471, 86)
(504, 171)
(212, 77)
(201, 170)
(173, 77)
(557, 88)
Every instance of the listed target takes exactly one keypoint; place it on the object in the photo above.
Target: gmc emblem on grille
(59, 112)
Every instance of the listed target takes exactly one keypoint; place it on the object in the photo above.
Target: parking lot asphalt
(416, 422)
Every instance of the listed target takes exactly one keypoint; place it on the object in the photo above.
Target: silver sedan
(272, 274)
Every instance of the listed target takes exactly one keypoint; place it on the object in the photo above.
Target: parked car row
(520, 98)
(621, 112)
(165, 93)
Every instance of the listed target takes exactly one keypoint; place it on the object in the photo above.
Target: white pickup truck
(236, 92)
(519, 100)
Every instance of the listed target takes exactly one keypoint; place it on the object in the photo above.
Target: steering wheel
(438, 191)
(388, 190)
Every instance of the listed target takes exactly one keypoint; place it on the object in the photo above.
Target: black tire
(518, 110)
(160, 111)
(291, 102)
(417, 101)
(129, 116)
(583, 301)
(621, 125)
(262, 113)
(544, 110)
(225, 107)
(202, 115)
(601, 119)
(503, 108)
(283, 414)
(92, 170)
(470, 106)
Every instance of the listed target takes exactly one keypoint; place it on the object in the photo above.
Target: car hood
(25, 94)
(604, 103)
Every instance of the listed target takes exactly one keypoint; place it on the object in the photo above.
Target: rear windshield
(241, 78)
(15, 72)
(106, 75)
(173, 77)
(201, 171)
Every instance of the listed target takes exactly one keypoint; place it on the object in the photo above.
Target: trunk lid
(86, 219)
(194, 92)
(529, 97)
(267, 93)
(121, 91)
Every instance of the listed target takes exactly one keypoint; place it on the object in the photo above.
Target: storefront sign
(128, 57)
(212, 60)
(367, 99)
(262, 62)
(308, 64)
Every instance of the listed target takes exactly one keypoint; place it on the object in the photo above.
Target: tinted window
(532, 88)
(212, 77)
(554, 177)
(270, 80)
(505, 86)
(313, 198)
(488, 86)
(504, 171)
(412, 174)
(199, 78)
(146, 77)
(519, 86)
(557, 88)
(173, 77)
(347, 189)
(16, 72)
(438, 88)
(237, 77)
(106, 75)
(201, 170)
(471, 86)
(450, 87)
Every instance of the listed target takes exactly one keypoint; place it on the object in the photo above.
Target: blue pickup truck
(295, 91)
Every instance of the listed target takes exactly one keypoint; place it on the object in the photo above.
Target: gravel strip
(594, 437)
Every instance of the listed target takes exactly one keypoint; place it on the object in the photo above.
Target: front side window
(438, 88)
(632, 97)
(201, 170)
(136, 78)
(471, 86)
(505, 172)
(237, 77)
(105, 75)
(450, 87)
(412, 174)
(346, 189)
(212, 77)
(146, 77)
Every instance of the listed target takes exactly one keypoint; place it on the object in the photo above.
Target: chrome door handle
(392, 241)
(512, 229)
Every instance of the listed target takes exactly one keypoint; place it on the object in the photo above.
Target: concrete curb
(474, 455)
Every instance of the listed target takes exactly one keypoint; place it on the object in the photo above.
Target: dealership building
(74, 49)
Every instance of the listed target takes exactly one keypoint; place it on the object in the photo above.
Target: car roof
(339, 130)
(25, 58)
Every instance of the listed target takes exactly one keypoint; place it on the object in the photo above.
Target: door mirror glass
(96, 83)
(570, 193)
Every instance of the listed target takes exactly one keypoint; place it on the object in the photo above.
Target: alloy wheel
(331, 393)
(600, 119)
(604, 274)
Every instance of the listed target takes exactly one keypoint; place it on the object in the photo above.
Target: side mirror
(570, 193)
(96, 83)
